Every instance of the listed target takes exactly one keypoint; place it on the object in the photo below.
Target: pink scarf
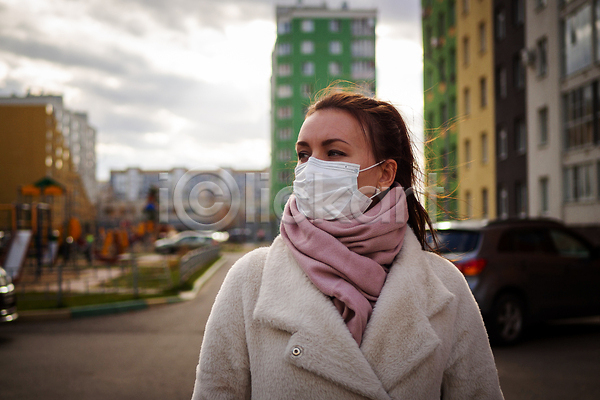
(347, 259)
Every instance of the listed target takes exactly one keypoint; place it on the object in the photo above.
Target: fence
(194, 260)
(133, 275)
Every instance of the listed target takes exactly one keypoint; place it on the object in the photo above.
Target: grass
(49, 300)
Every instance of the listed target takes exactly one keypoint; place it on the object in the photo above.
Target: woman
(346, 303)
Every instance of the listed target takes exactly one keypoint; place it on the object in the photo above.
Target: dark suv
(524, 271)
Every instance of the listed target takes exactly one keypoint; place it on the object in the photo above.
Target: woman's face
(334, 135)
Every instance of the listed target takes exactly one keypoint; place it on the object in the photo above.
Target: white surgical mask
(329, 189)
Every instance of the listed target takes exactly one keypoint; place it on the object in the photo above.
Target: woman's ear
(388, 174)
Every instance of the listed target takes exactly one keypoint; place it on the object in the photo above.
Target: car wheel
(507, 320)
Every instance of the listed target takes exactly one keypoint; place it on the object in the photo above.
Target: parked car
(8, 299)
(524, 271)
(183, 240)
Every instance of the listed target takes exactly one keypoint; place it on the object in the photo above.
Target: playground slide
(17, 253)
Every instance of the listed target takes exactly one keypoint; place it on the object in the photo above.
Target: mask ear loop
(372, 166)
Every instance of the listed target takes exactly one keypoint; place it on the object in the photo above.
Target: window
(502, 144)
(502, 82)
(569, 246)
(521, 199)
(483, 92)
(452, 65)
(484, 203)
(543, 125)
(284, 91)
(579, 117)
(442, 69)
(363, 48)
(540, 4)
(284, 177)
(467, 153)
(469, 201)
(427, 41)
(578, 182)
(284, 155)
(451, 13)
(500, 24)
(308, 47)
(542, 57)
(484, 148)
(441, 24)
(503, 203)
(306, 89)
(466, 6)
(466, 56)
(308, 68)
(308, 25)
(335, 47)
(577, 40)
(524, 241)
(482, 37)
(284, 27)
(284, 112)
(467, 101)
(518, 72)
(363, 70)
(544, 196)
(518, 12)
(334, 25)
(335, 68)
(520, 136)
(284, 133)
(284, 49)
(284, 70)
(363, 27)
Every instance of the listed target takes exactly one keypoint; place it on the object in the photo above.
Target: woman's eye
(335, 153)
(303, 156)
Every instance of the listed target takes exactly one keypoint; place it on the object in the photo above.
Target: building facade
(580, 97)
(315, 47)
(538, 92)
(510, 131)
(32, 147)
(440, 111)
(544, 116)
(78, 135)
(475, 93)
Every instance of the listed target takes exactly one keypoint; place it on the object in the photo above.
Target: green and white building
(315, 47)
(440, 110)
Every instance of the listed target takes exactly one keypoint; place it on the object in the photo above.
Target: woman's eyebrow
(330, 141)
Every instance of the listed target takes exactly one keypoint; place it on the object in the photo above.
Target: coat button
(296, 351)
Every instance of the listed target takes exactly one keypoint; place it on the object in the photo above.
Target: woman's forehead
(326, 124)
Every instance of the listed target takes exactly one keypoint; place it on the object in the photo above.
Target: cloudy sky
(172, 83)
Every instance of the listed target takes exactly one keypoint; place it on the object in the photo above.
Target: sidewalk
(83, 283)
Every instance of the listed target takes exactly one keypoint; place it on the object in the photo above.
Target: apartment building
(315, 46)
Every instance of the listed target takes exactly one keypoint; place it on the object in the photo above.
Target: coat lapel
(320, 342)
(399, 336)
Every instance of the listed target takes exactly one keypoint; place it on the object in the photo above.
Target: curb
(120, 307)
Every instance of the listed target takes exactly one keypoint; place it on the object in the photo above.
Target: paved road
(149, 354)
(559, 361)
(152, 354)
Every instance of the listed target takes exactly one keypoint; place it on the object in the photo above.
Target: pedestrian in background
(349, 302)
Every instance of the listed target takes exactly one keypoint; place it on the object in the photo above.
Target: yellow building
(32, 148)
(475, 93)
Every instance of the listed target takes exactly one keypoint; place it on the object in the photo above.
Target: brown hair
(389, 138)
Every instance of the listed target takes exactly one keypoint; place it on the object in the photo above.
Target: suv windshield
(456, 241)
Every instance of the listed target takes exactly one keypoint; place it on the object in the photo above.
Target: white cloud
(179, 83)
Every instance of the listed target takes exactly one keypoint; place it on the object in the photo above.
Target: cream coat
(273, 335)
